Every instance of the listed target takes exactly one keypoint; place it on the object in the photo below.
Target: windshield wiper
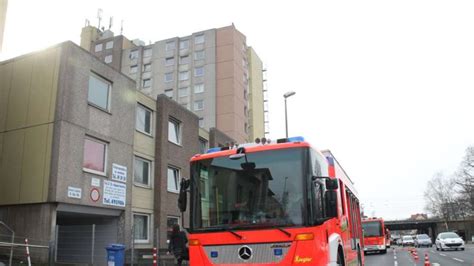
(223, 228)
(234, 233)
(288, 234)
(261, 226)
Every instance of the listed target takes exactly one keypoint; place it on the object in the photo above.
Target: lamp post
(286, 95)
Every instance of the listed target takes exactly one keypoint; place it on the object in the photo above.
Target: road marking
(395, 263)
(435, 264)
(458, 259)
(444, 255)
(432, 251)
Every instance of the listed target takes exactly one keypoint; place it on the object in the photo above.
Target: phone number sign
(115, 194)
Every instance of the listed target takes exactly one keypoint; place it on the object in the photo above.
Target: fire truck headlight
(194, 242)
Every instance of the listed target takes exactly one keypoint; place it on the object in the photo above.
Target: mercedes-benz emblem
(245, 252)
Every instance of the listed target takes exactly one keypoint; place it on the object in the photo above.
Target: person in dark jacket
(177, 245)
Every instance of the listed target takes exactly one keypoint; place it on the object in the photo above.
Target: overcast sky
(386, 85)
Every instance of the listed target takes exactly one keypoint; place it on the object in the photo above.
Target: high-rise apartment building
(213, 73)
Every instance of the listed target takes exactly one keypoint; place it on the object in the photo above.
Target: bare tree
(440, 197)
(465, 180)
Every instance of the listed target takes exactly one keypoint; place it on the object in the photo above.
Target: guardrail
(12, 241)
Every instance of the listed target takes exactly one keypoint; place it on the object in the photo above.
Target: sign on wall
(95, 182)
(114, 193)
(119, 172)
(74, 192)
(95, 194)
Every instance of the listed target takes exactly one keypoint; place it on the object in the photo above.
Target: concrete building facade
(64, 128)
(207, 72)
(256, 96)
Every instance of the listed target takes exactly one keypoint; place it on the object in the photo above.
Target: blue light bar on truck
(284, 140)
(292, 139)
(211, 150)
(296, 139)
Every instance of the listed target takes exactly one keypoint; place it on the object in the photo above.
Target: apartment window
(246, 128)
(199, 55)
(184, 59)
(199, 39)
(184, 44)
(169, 93)
(133, 69)
(134, 54)
(141, 228)
(170, 221)
(203, 145)
(183, 92)
(98, 47)
(146, 83)
(183, 75)
(245, 111)
(198, 105)
(174, 131)
(147, 52)
(108, 59)
(199, 88)
(143, 123)
(169, 61)
(170, 46)
(142, 171)
(201, 122)
(95, 156)
(109, 45)
(147, 67)
(169, 77)
(199, 71)
(173, 179)
(99, 90)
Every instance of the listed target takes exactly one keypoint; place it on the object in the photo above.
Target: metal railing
(11, 243)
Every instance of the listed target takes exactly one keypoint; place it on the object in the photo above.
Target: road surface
(401, 256)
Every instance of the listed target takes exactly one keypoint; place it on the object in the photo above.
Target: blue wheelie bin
(115, 255)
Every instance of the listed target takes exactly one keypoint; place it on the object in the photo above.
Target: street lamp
(286, 95)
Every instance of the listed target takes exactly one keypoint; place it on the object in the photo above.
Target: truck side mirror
(331, 184)
(331, 203)
(183, 196)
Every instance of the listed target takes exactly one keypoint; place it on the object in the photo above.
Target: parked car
(449, 240)
(399, 241)
(408, 241)
(423, 240)
(395, 239)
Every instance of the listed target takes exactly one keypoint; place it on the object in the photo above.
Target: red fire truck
(375, 235)
(281, 203)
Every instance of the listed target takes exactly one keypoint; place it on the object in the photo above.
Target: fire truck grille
(247, 253)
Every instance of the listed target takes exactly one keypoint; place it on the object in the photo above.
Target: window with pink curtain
(94, 155)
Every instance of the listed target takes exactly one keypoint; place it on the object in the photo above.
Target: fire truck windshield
(372, 228)
(265, 189)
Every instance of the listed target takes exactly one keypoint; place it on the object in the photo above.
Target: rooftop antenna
(111, 21)
(99, 16)
(121, 27)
